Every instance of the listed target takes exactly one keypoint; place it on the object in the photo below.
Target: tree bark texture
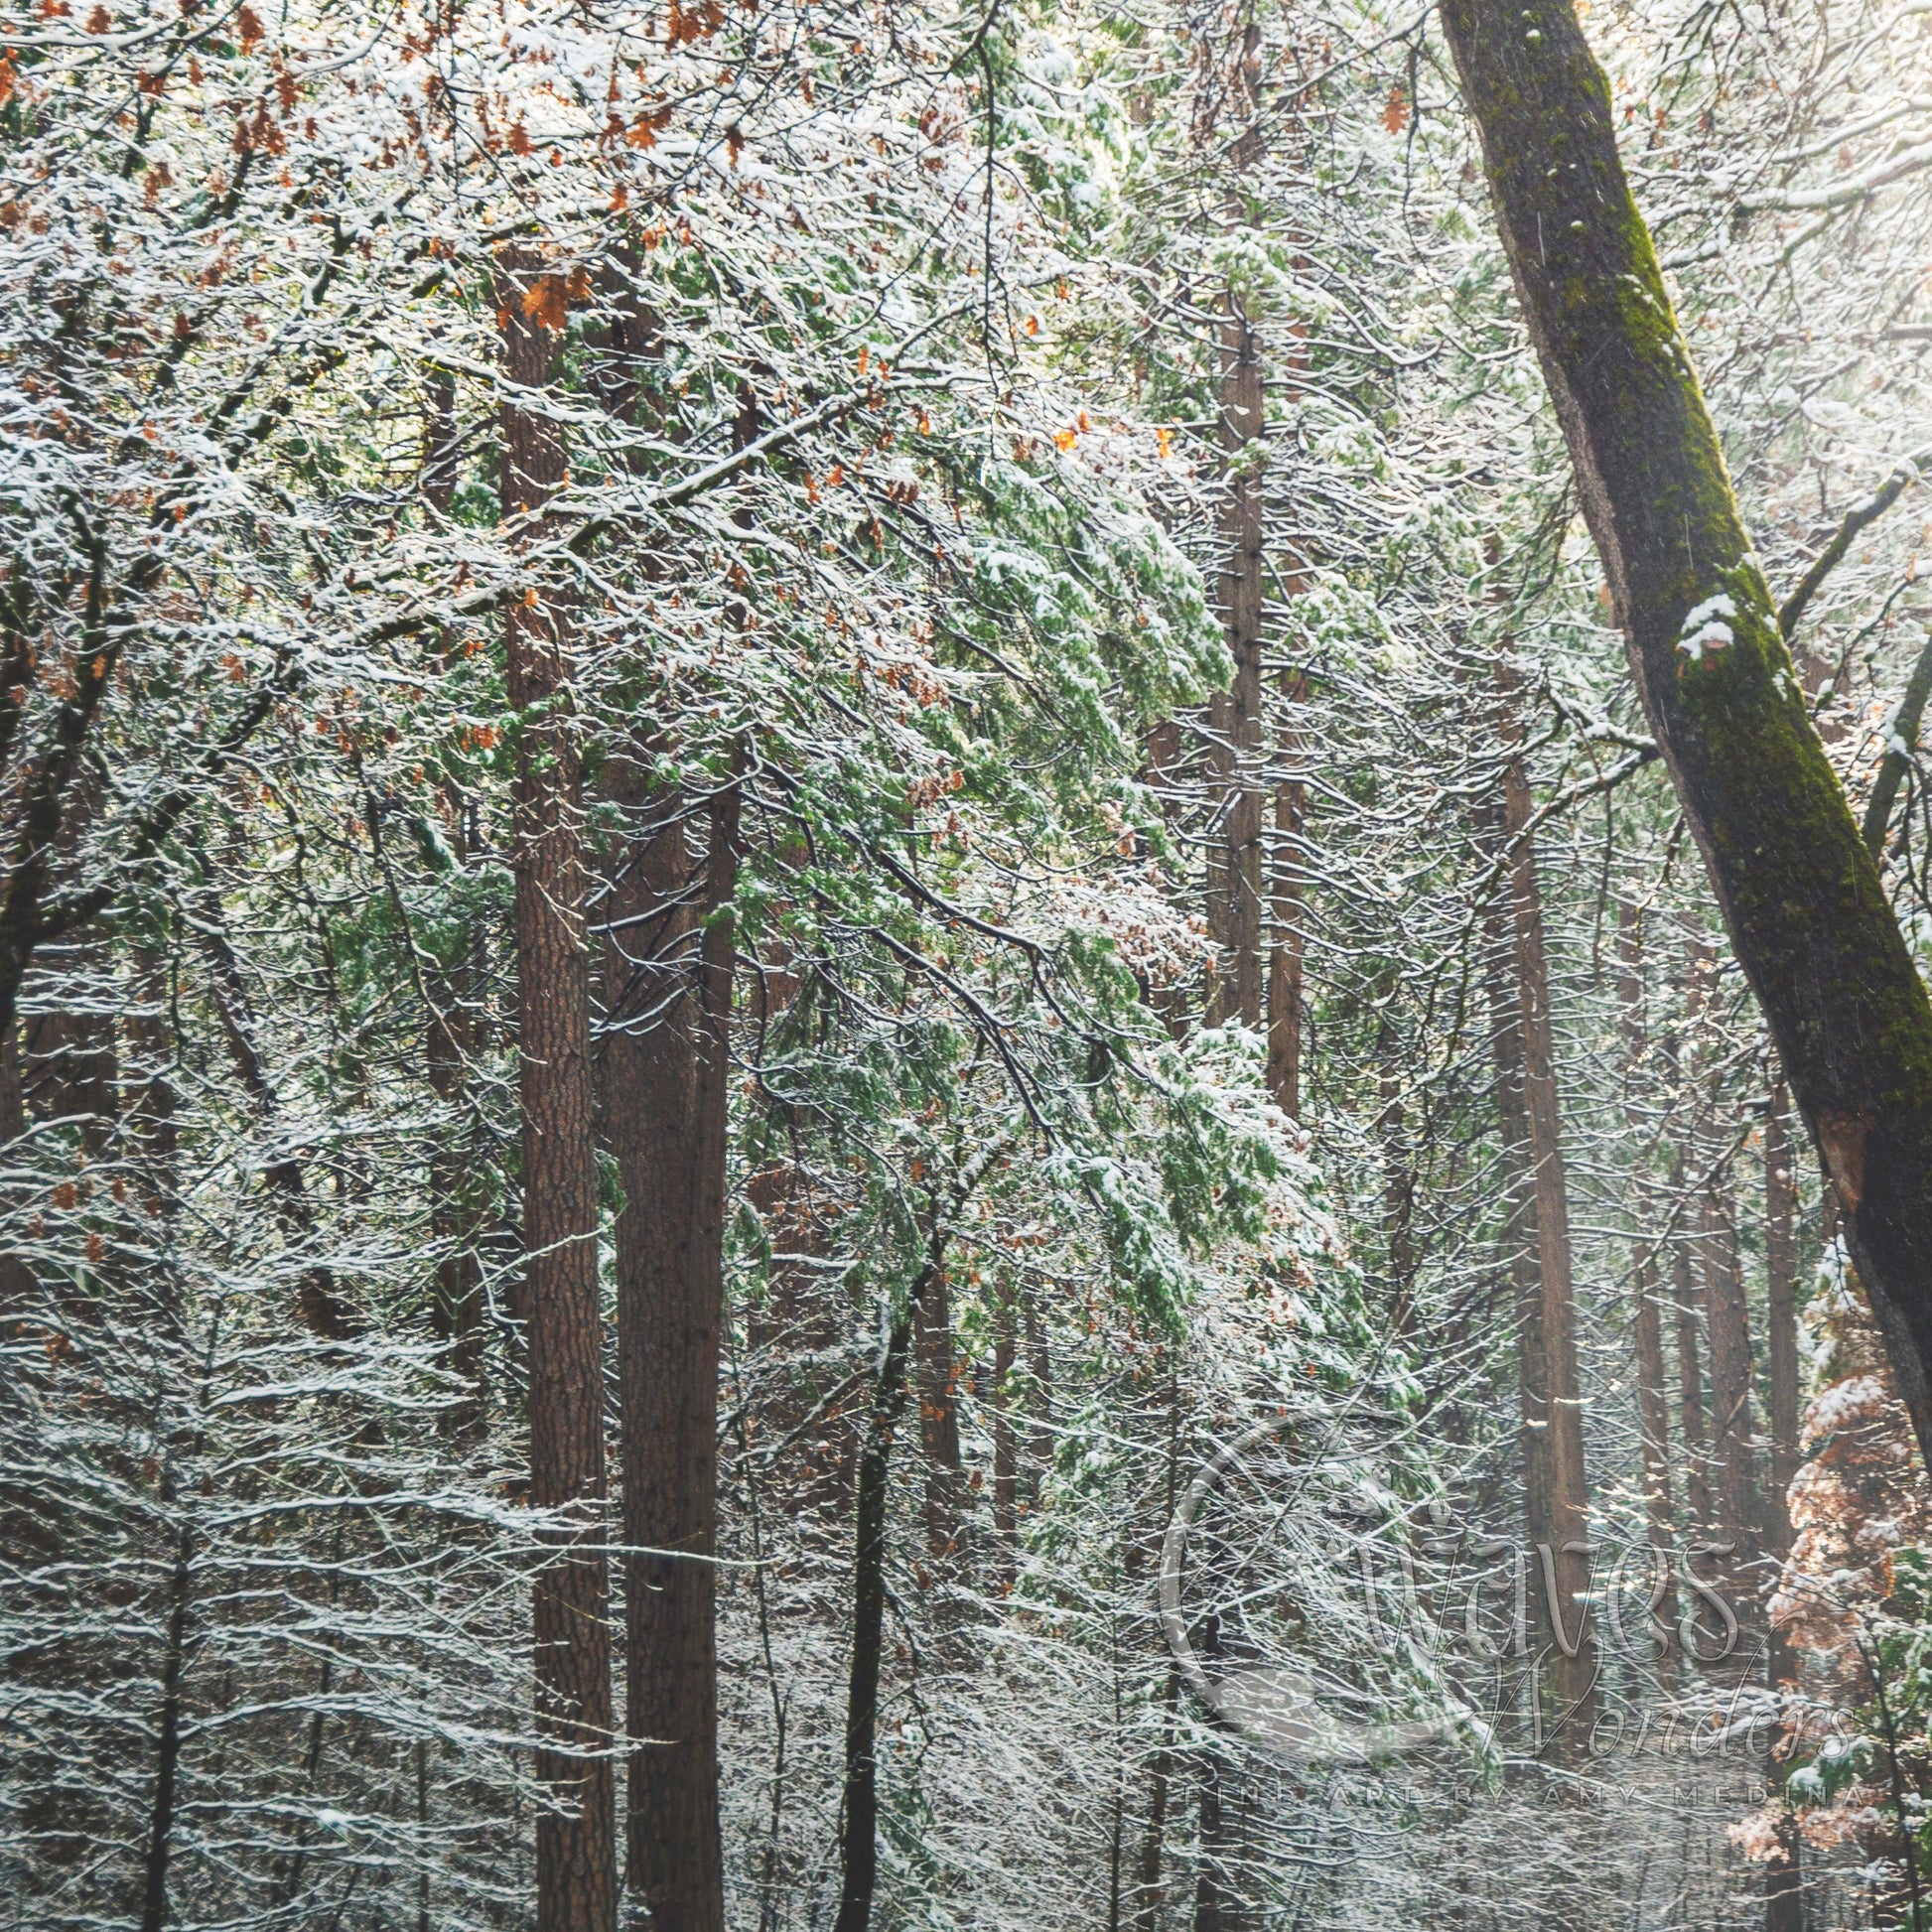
(576, 1836)
(1801, 896)
(665, 1063)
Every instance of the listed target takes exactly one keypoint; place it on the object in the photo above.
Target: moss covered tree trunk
(1801, 894)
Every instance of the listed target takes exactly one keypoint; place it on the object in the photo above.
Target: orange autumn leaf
(546, 302)
(1395, 116)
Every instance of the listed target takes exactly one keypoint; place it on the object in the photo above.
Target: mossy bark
(1808, 916)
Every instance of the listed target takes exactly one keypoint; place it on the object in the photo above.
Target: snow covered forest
(960, 966)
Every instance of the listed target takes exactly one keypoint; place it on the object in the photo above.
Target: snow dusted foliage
(243, 1581)
(893, 356)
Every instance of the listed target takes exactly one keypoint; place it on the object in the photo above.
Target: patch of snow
(1705, 627)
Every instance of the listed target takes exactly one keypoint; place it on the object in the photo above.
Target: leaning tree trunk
(576, 1834)
(1801, 896)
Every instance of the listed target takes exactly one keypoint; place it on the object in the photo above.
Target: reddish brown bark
(668, 976)
(576, 1836)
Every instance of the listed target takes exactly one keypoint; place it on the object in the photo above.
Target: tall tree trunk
(1220, 1888)
(1733, 1462)
(576, 1834)
(161, 1811)
(668, 976)
(945, 1484)
(1568, 1565)
(1690, 1377)
(1006, 1452)
(1288, 951)
(1519, 1215)
(1398, 1181)
(1214, 1909)
(1733, 1515)
(1039, 1438)
(1801, 894)
(859, 1828)
(1653, 1404)
(1235, 715)
(1148, 1887)
(1685, 1300)
(1234, 878)
(324, 1310)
